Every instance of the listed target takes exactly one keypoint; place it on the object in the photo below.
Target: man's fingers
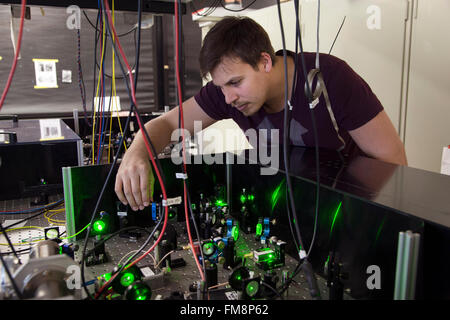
(118, 188)
(145, 191)
(128, 191)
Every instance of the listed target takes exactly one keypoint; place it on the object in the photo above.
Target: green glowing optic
(99, 226)
(335, 216)
(107, 276)
(259, 229)
(243, 198)
(142, 294)
(208, 248)
(235, 233)
(220, 203)
(237, 276)
(276, 195)
(52, 234)
(138, 291)
(171, 214)
(252, 288)
(251, 197)
(379, 229)
(127, 279)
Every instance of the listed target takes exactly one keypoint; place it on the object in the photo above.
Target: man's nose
(230, 96)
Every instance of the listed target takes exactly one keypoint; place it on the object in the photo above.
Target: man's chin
(248, 111)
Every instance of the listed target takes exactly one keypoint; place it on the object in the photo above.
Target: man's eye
(235, 83)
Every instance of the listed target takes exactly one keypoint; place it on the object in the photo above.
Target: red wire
(13, 67)
(141, 126)
(177, 36)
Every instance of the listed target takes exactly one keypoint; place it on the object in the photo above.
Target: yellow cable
(118, 117)
(75, 233)
(25, 227)
(54, 221)
(114, 93)
(50, 213)
(96, 95)
(20, 228)
(113, 87)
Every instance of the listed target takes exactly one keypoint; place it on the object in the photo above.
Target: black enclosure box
(32, 153)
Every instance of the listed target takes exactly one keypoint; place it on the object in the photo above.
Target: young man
(248, 85)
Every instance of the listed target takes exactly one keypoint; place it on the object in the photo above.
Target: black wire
(186, 185)
(210, 10)
(314, 126)
(35, 215)
(290, 219)
(335, 38)
(96, 27)
(312, 282)
(138, 47)
(111, 169)
(133, 108)
(195, 228)
(287, 126)
(122, 267)
(96, 37)
(238, 10)
(118, 77)
(81, 80)
(285, 136)
(272, 289)
(83, 256)
(286, 285)
(112, 235)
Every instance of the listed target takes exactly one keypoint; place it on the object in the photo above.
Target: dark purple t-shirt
(352, 101)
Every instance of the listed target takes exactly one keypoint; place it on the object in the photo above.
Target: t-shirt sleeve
(211, 99)
(352, 100)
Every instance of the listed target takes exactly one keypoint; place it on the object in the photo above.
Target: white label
(50, 129)
(106, 104)
(147, 272)
(181, 176)
(2, 136)
(445, 164)
(66, 76)
(302, 254)
(45, 70)
(172, 201)
(232, 295)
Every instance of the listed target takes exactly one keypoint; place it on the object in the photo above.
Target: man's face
(243, 87)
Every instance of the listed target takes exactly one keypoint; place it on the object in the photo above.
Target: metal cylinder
(43, 249)
(211, 275)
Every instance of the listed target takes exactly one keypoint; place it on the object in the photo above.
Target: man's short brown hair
(239, 37)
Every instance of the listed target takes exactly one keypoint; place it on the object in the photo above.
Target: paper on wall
(445, 163)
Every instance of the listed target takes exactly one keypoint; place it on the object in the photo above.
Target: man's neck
(276, 101)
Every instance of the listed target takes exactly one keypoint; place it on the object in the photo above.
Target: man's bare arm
(132, 180)
(379, 139)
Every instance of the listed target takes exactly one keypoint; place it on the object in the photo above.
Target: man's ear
(266, 62)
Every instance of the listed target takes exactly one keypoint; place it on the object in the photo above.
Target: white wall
(396, 46)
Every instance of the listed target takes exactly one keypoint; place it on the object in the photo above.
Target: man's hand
(134, 180)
